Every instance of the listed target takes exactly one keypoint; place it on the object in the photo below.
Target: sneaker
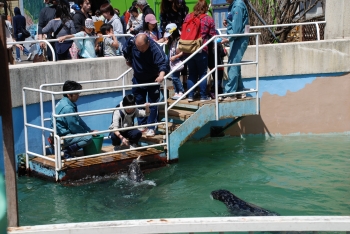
(241, 96)
(133, 146)
(231, 98)
(205, 99)
(176, 96)
(142, 129)
(18, 60)
(150, 133)
(65, 154)
(116, 148)
(190, 99)
(29, 56)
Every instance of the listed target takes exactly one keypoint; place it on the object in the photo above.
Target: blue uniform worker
(70, 125)
(236, 22)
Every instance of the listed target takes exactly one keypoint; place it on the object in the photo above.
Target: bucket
(95, 147)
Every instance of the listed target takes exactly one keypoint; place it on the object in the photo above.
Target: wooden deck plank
(99, 159)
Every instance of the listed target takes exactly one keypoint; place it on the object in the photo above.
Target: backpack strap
(58, 30)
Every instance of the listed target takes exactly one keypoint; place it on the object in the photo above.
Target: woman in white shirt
(134, 21)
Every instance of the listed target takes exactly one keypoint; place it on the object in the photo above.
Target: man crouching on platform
(125, 118)
(70, 125)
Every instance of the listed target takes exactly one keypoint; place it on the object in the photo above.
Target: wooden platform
(81, 169)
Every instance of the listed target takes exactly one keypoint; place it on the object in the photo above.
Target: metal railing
(219, 225)
(215, 69)
(48, 41)
(58, 140)
(220, 30)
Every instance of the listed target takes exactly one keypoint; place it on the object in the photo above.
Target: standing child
(125, 118)
(87, 47)
(110, 43)
(173, 35)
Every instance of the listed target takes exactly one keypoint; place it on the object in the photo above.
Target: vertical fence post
(7, 130)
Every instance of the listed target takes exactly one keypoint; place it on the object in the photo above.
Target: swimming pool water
(291, 175)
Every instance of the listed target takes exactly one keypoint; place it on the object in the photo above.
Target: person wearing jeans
(197, 69)
(198, 64)
(19, 22)
(150, 65)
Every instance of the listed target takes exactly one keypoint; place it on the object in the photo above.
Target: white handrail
(283, 25)
(215, 69)
(198, 225)
(58, 139)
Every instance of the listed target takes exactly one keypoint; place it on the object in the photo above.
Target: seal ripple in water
(239, 207)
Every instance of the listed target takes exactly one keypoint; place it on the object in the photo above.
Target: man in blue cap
(236, 21)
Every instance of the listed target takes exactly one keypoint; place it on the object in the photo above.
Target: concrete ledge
(299, 58)
(286, 59)
(36, 74)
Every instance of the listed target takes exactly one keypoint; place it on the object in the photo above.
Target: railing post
(42, 122)
(165, 95)
(318, 31)
(257, 72)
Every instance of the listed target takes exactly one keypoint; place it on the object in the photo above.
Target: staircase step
(157, 139)
(189, 105)
(171, 126)
(182, 115)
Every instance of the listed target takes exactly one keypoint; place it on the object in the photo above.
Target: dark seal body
(239, 207)
(134, 171)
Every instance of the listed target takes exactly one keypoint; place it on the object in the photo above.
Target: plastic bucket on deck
(95, 147)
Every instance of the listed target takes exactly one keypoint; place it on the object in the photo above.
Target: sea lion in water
(238, 207)
(134, 171)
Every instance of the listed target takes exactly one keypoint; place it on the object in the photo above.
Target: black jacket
(79, 21)
(46, 14)
(176, 17)
(18, 22)
(146, 10)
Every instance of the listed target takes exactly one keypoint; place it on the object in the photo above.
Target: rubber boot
(69, 150)
(73, 148)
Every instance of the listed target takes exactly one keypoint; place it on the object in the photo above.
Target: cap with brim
(150, 18)
(169, 29)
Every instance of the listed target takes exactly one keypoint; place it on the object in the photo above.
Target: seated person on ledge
(125, 118)
(70, 125)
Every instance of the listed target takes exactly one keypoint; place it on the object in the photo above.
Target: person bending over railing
(70, 125)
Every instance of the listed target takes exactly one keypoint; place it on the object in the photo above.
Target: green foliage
(34, 7)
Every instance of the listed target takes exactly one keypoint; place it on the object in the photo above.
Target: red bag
(191, 38)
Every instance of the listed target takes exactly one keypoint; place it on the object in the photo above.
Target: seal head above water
(134, 171)
(239, 207)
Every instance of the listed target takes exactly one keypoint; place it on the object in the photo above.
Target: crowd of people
(144, 54)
